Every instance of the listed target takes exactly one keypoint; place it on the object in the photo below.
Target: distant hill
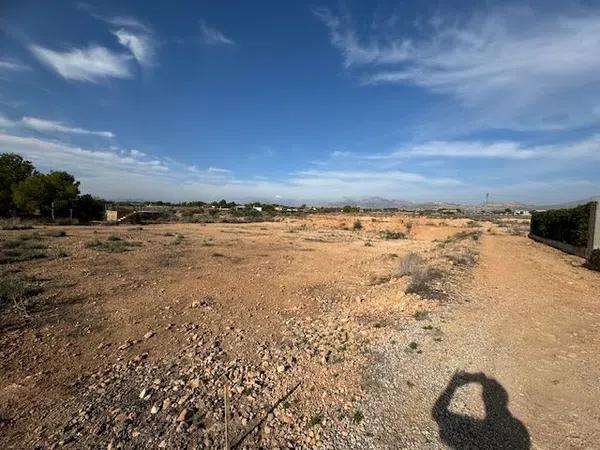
(571, 204)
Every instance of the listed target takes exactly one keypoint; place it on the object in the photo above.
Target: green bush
(563, 225)
(593, 261)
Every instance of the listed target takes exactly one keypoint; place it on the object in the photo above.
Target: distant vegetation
(26, 192)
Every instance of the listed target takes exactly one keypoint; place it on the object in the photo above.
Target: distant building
(522, 212)
(257, 208)
(113, 215)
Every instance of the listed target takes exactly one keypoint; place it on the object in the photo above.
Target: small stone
(195, 383)
(281, 368)
(149, 334)
(184, 415)
(143, 393)
(155, 409)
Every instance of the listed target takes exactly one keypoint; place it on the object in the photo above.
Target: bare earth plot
(318, 332)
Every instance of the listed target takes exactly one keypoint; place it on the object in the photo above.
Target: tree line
(25, 191)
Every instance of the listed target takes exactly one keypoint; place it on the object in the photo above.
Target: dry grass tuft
(409, 264)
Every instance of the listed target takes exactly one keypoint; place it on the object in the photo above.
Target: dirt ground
(306, 326)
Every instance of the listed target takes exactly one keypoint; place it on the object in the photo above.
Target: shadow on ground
(499, 429)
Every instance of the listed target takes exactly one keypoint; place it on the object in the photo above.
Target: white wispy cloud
(141, 45)
(44, 125)
(12, 65)
(211, 36)
(80, 161)
(132, 33)
(49, 125)
(582, 151)
(524, 66)
(134, 174)
(93, 64)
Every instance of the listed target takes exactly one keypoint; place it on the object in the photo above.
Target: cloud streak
(211, 36)
(43, 125)
(141, 45)
(93, 64)
(49, 125)
(527, 64)
(12, 65)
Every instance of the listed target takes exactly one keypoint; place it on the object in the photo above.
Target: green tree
(89, 208)
(38, 192)
(13, 170)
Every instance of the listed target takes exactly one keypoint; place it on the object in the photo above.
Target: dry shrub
(465, 257)
(409, 264)
(387, 234)
(424, 282)
(17, 290)
(24, 248)
(14, 224)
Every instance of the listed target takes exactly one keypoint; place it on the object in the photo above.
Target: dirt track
(531, 321)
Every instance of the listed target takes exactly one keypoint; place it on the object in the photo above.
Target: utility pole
(52, 210)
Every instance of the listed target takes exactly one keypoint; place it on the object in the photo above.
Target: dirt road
(527, 337)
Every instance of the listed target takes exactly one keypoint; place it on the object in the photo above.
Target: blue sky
(307, 101)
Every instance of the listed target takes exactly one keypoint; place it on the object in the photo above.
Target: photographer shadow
(498, 430)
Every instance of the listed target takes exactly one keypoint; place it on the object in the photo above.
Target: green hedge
(564, 225)
(594, 260)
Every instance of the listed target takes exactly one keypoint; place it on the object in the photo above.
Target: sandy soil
(307, 326)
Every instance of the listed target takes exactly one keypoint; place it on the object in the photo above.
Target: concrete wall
(563, 246)
(112, 215)
(594, 233)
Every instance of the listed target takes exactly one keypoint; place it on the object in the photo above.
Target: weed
(15, 225)
(413, 346)
(17, 289)
(422, 283)
(56, 233)
(218, 255)
(23, 248)
(358, 416)
(462, 235)
(357, 225)
(61, 253)
(112, 246)
(421, 315)
(409, 264)
(387, 234)
(113, 237)
(466, 258)
(427, 327)
(178, 239)
(378, 279)
(368, 244)
(315, 420)
(168, 234)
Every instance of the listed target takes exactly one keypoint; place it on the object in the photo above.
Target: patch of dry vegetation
(113, 244)
(409, 264)
(23, 248)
